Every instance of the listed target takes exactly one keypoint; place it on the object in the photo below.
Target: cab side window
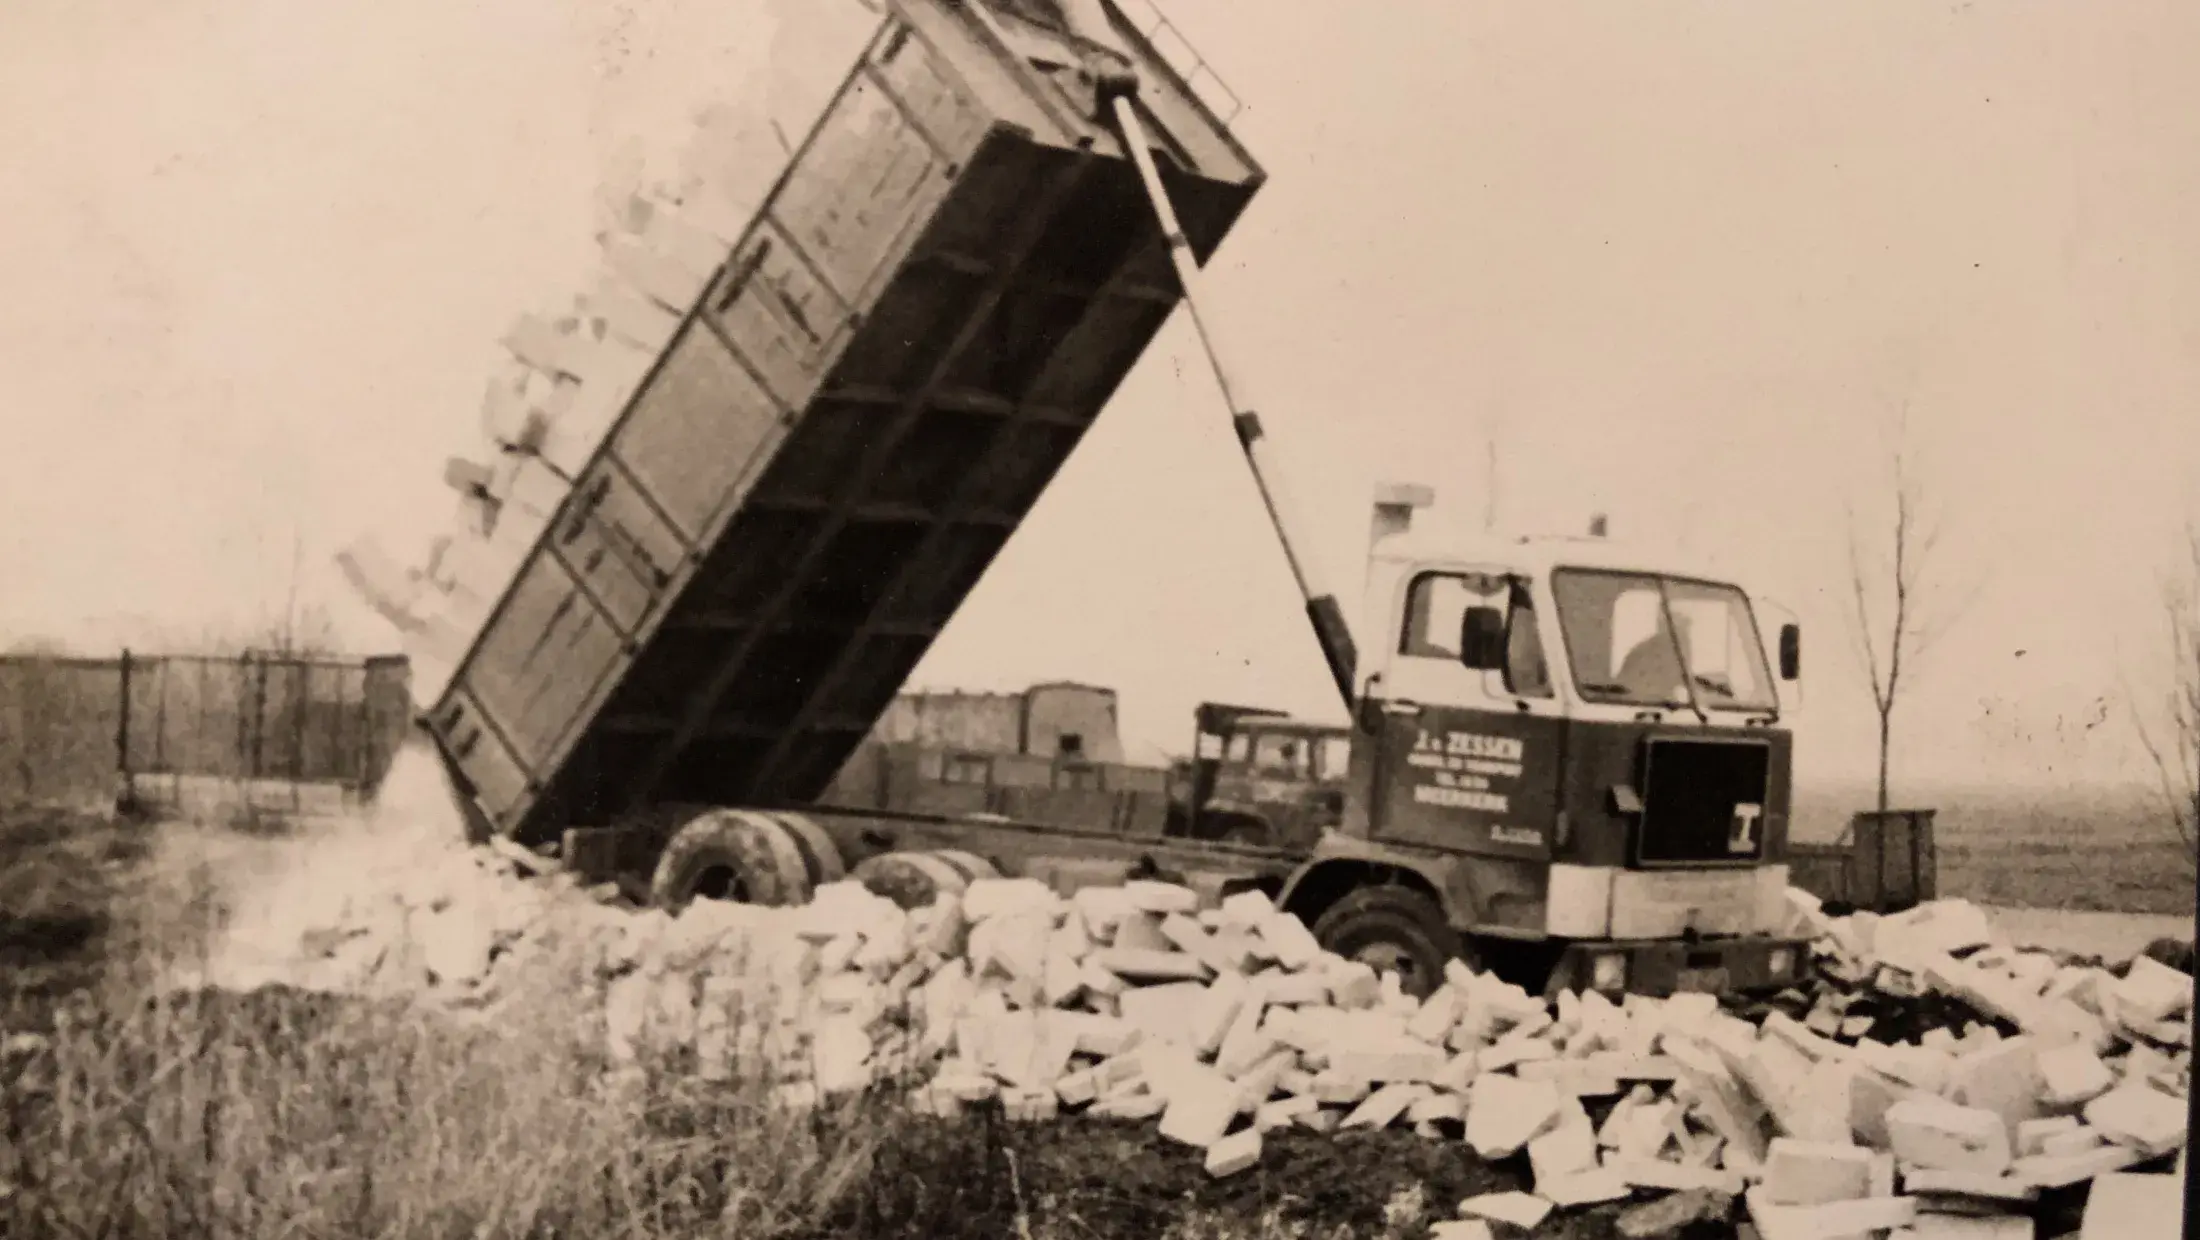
(1436, 607)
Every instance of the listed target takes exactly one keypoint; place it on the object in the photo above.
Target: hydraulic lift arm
(1322, 609)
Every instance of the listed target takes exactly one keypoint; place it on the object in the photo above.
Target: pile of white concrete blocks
(1223, 1025)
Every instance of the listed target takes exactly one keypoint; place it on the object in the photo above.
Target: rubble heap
(1221, 1025)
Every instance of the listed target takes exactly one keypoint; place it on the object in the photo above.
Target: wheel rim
(720, 882)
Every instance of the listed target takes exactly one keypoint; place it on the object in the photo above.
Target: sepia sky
(1680, 260)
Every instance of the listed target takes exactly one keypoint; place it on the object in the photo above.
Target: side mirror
(1791, 651)
(1482, 639)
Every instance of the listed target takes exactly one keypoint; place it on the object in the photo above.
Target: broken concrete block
(1582, 1188)
(1522, 1210)
(1163, 899)
(1291, 989)
(1504, 1113)
(1189, 937)
(1102, 909)
(1675, 1177)
(1999, 1188)
(1078, 1088)
(1319, 1120)
(1434, 1108)
(1933, 1133)
(1247, 910)
(1437, 1014)
(1244, 1044)
(2134, 1207)
(1215, 1010)
(2061, 1170)
(1202, 1103)
(1459, 1229)
(1030, 1106)
(1567, 1147)
(2072, 1075)
(1355, 986)
(1293, 944)
(1833, 1220)
(1808, 1173)
(1458, 1072)
(1575, 1078)
(1257, 1084)
(1396, 1064)
(1284, 1111)
(2079, 1140)
(1233, 1154)
(1138, 931)
(1130, 1106)
(2003, 1077)
(1382, 1108)
(1339, 1089)
(2033, 1134)
(2152, 991)
(994, 897)
(2140, 1116)
(1142, 965)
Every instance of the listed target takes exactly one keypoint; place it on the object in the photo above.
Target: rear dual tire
(916, 880)
(744, 856)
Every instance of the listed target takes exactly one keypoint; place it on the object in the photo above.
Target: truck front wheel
(1392, 929)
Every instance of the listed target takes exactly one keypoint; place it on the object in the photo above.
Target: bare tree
(2172, 742)
(1898, 614)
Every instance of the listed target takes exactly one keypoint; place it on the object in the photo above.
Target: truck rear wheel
(820, 856)
(912, 880)
(731, 855)
(1393, 930)
(970, 865)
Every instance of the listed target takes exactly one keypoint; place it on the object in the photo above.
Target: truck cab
(1259, 776)
(1569, 760)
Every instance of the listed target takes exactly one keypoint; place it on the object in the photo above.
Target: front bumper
(1661, 967)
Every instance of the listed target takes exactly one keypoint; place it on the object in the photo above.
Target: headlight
(1608, 973)
(1781, 960)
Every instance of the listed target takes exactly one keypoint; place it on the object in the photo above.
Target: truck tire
(912, 880)
(971, 866)
(1394, 929)
(819, 854)
(730, 855)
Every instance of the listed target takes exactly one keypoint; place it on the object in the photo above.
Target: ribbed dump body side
(947, 285)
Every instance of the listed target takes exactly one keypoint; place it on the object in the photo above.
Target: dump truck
(1566, 762)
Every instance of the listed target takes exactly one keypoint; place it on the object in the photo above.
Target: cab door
(1467, 759)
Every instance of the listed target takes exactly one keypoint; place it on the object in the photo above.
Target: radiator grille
(1703, 802)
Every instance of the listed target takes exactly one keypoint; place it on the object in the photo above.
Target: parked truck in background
(1565, 761)
(1259, 776)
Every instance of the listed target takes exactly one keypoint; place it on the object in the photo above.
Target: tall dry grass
(137, 1103)
(131, 1108)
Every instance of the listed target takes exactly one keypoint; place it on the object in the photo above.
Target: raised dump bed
(939, 295)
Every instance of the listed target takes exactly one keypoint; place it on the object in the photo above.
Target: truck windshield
(1627, 635)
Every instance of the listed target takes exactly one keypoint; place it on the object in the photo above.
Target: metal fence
(171, 728)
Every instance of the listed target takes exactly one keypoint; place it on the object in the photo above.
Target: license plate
(1708, 981)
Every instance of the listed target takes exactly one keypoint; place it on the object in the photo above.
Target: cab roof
(1537, 555)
